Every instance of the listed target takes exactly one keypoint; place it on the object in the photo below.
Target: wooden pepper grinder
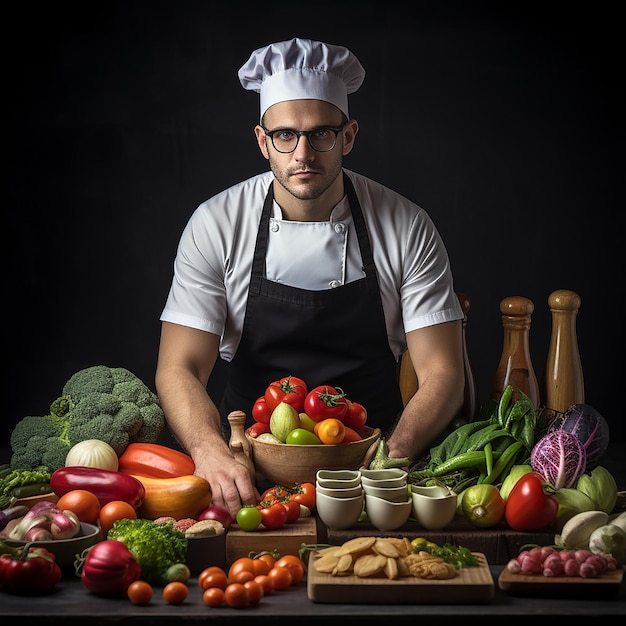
(564, 382)
(469, 410)
(515, 367)
(238, 443)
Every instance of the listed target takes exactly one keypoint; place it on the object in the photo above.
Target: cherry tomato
(247, 565)
(213, 579)
(289, 389)
(83, 503)
(277, 493)
(213, 570)
(294, 564)
(266, 582)
(236, 595)
(268, 558)
(304, 493)
(213, 596)
(140, 592)
(273, 516)
(255, 591)
(175, 592)
(261, 412)
(356, 415)
(325, 401)
(114, 510)
(248, 517)
(281, 577)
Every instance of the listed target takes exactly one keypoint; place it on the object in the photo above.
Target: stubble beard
(307, 190)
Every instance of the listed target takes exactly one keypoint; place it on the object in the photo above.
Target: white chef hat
(302, 69)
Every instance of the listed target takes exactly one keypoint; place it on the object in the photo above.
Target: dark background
(505, 123)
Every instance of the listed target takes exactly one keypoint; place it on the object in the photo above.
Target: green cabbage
(571, 502)
(600, 486)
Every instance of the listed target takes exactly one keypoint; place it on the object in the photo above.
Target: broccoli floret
(155, 546)
(39, 440)
(105, 417)
(100, 402)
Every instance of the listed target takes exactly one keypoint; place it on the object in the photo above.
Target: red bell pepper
(155, 461)
(106, 484)
(28, 569)
(108, 568)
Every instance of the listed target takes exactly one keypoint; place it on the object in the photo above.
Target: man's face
(305, 173)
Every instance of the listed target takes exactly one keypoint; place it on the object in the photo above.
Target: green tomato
(248, 517)
(303, 437)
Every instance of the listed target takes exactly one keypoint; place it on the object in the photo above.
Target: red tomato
(294, 564)
(281, 577)
(528, 506)
(277, 493)
(293, 511)
(356, 416)
(236, 595)
(305, 494)
(274, 515)
(288, 389)
(140, 592)
(213, 596)
(258, 428)
(325, 401)
(260, 411)
(175, 592)
(255, 591)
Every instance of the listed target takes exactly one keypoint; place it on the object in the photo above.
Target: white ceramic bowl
(338, 513)
(392, 477)
(395, 494)
(338, 478)
(348, 492)
(387, 515)
(433, 507)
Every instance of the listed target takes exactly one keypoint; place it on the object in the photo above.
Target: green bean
(507, 456)
(488, 458)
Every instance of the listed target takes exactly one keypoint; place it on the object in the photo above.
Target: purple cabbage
(559, 457)
(591, 429)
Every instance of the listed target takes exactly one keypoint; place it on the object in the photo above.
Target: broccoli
(155, 546)
(100, 402)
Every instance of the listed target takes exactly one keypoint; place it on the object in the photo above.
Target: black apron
(332, 337)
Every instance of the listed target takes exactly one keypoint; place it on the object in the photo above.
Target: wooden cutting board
(473, 585)
(287, 539)
(537, 584)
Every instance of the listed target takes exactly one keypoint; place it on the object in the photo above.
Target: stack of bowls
(388, 503)
(338, 497)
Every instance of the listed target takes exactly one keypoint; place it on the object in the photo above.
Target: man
(309, 270)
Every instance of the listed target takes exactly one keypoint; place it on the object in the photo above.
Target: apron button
(339, 228)
(274, 227)
(334, 283)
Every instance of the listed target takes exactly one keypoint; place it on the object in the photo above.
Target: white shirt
(212, 267)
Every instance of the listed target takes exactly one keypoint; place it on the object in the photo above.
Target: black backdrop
(505, 124)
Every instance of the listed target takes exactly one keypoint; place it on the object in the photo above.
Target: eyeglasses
(322, 139)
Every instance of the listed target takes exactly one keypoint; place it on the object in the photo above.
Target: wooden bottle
(238, 443)
(515, 367)
(470, 408)
(564, 382)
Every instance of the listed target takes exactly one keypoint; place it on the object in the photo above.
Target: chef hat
(302, 69)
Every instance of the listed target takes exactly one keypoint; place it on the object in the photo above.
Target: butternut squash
(179, 497)
(155, 460)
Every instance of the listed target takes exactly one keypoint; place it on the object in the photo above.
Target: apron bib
(332, 337)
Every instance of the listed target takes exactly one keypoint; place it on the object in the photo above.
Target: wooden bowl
(287, 464)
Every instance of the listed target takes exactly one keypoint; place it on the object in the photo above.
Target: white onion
(92, 453)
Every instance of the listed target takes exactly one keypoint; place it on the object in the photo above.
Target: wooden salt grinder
(515, 367)
(239, 444)
(564, 381)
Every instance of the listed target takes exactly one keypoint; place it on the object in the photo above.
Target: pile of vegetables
(483, 451)
(110, 404)
(290, 412)
(44, 522)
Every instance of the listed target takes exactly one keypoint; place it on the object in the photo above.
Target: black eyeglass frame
(305, 133)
